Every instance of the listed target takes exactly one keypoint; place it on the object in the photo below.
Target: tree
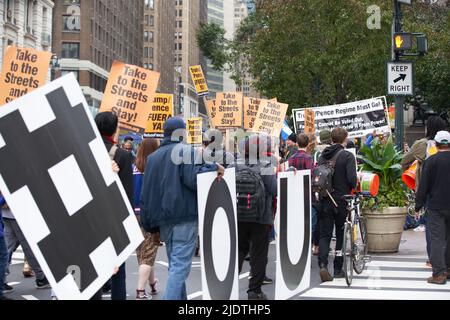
(310, 52)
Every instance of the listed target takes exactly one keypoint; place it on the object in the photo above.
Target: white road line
(17, 255)
(373, 272)
(13, 283)
(360, 294)
(400, 256)
(396, 264)
(30, 298)
(377, 284)
(244, 275)
(165, 264)
(195, 295)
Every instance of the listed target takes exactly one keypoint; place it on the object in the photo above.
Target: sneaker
(247, 258)
(42, 284)
(154, 287)
(325, 276)
(339, 274)
(253, 295)
(267, 281)
(142, 295)
(7, 288)
(315, 250)
(442, 279)
(27, 271)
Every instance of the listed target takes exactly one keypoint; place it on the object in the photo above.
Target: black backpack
(322, 177)
(250, 194)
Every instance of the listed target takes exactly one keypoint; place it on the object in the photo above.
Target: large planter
(384, 229)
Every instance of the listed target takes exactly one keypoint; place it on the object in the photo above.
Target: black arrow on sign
(402, 77)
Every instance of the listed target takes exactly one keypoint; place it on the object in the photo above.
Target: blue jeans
(3, 263)
(119, 285)
(180, 240)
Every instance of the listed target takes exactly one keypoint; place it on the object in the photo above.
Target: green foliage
(384, 160)
(211, 40)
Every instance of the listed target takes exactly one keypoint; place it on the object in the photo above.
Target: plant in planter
(385, 217)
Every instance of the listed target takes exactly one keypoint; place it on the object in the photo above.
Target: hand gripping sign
(218, 235)
(56, 176)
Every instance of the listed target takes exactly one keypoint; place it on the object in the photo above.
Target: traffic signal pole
(399, 100)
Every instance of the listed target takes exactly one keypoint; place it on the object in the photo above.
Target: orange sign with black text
(129, 94)
(270, 118)
(198, 78)
(24, 70)
(226, 110)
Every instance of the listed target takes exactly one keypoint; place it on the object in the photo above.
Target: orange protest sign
(24, 70)
(194, 130)
(310, 119)
(226, 112)
(198, 78)
(251, 107)
(270, 118)
(129, 92)
(160, 110)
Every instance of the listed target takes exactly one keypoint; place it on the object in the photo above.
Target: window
(149, 4)
(180, 14)
(70, 50)
(151, 21)
(76, 73)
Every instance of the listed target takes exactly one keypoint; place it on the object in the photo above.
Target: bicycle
(355, 246)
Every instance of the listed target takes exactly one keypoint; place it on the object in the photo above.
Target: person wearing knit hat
(292, 147)
(169, 203)
(325, 137)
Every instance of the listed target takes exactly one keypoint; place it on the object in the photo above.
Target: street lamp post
(399, 100)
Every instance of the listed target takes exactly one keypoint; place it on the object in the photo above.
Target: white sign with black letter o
(218, 235)
(293, 226)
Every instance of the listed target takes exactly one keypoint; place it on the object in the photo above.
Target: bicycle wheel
(360, 247)
(347, 254)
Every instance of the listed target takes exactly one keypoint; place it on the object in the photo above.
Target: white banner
(56, 176)
(359, 118)
(218, 235)
(293, 226)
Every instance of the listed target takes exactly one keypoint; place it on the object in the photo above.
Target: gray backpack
(322, 177)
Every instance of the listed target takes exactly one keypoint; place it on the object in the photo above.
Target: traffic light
(403, 41)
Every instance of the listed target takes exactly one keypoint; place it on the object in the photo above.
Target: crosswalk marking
(385, 278)
(29, 297)
(195, 295)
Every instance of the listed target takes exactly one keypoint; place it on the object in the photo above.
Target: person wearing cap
(291, 146)
(169, 202)
(434, 193)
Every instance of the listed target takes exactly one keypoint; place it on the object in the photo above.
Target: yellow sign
(270, 118)
(310, 119)
(226, 111)
(24, 70)
(198, 78)
(161, 110)
(251, 107)
(129, 92)
(194, 130)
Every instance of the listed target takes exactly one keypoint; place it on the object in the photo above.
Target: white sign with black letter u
(293, 225)
(218, 235)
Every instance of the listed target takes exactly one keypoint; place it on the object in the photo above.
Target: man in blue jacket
(169, 202)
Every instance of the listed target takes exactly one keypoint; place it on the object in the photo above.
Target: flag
(285, 131)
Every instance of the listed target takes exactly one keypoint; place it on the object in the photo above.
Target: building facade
(214, 77)
(188, 16)
(89, 35)
(26, 23)
(159, 34)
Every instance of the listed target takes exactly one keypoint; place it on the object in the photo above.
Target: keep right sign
(400, 78)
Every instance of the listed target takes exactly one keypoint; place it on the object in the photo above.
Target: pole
(399, 100)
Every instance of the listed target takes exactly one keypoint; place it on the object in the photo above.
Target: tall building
(188, 16)
(89, 35)
(26, 23)
(215, 15)
(159, 32)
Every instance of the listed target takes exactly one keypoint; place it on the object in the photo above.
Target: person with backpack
(434, 193)
(107, 123)
(256, 188)
(420, 151)
(334, 178)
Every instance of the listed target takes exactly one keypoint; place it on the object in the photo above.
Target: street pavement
(388, 277)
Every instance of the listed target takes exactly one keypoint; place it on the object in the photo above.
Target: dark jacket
(124, 161)
(433, 189)
(169, 190)
(270, 184)
(344, 179)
